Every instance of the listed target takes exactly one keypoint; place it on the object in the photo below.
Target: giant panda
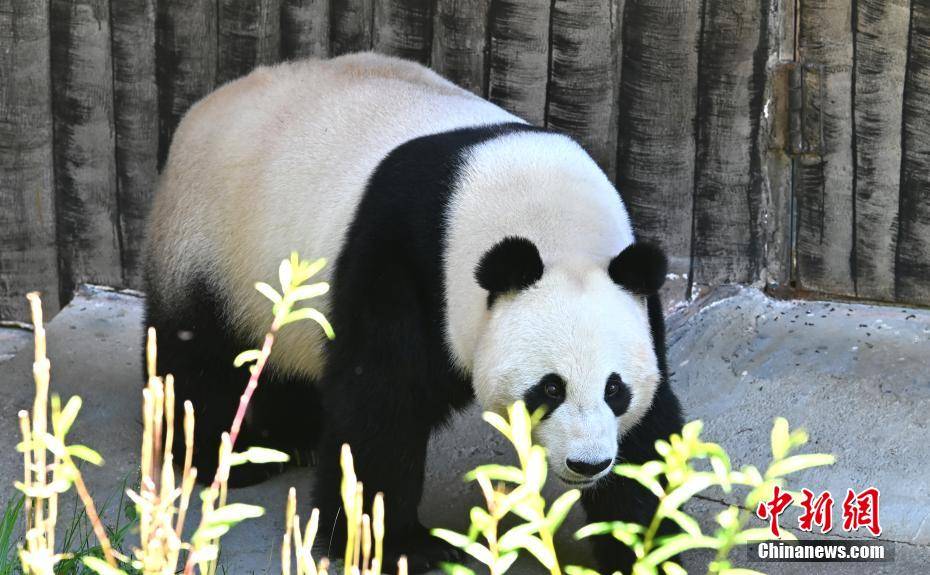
(472, 256)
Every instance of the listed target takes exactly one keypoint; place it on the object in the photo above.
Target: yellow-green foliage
(688, 466)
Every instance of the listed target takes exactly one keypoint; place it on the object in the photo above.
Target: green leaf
(691, 432)
(539, 550)
(455, 569)
(579, 570)
(504, 562)
(536, 468)
(729, 517)
(643, 475)
(268, 291)
(310, 270)
(780, 439)
(685, 521)
(308, 291)
(65, 419)
(480, 519)
(560, 508)
(627, 533)
(671, 546)
(497, 422)
(670, 568)
(754, 535)
(517, 537)
(85, 453)
(496, 473)
(315, 315)
(640, 568)
(210, 532)
(100, 566)
(796, 463)
(234, 513)
(247, 356)
(285, 273)
(452, 538)
(694, 485)
(258, 455)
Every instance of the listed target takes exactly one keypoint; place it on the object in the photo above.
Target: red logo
(861, 511)
(774, 507)
(817, 511)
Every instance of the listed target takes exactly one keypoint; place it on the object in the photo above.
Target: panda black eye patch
(548, 393)
(617, 394)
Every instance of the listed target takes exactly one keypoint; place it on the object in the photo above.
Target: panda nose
(588, 469)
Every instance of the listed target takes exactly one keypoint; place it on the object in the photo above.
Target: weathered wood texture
(249, 35)
(880, 55)
(135, 100)
(460, 42)
(304, 28)
(28, 256)
(186, 59)
(657, 105)
(350, 30)
(727, 202)
(585, 77)
(404, 28)
(518, 70)
(824, 176)
(912, 271)
(84, 145)
(688, 106)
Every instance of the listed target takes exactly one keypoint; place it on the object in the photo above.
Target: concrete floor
(855, 376)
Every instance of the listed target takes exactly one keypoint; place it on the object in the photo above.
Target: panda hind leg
(195, 348)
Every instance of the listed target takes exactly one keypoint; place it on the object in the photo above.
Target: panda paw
(424, 552)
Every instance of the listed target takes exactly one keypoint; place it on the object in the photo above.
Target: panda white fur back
(278, 160)
(469, 253)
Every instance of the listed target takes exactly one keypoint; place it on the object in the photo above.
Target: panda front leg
(388, 430)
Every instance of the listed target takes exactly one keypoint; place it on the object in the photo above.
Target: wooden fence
(768, 141)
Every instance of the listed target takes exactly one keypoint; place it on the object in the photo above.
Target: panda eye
(554, 388)
(612, 388)
(617, 394)
(614, 383)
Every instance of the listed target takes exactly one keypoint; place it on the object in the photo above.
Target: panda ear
(512, 264)
(640, 268)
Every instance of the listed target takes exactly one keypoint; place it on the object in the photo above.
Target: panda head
(573, 339)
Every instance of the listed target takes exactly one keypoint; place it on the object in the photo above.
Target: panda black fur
(446, 221)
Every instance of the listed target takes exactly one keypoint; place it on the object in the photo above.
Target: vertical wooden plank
(249, 35)
(776, 185)
(404, 28)
(84, 145)
(351, 26)
(460, 42)
(823, 189)
(655, 166)
(519, 57)
(585, 76)
(726, 237)
(913, 246)
(28, 257)
(776, 164)
(304, 28)
(135, 100)
(880, 57)
(186, 61)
